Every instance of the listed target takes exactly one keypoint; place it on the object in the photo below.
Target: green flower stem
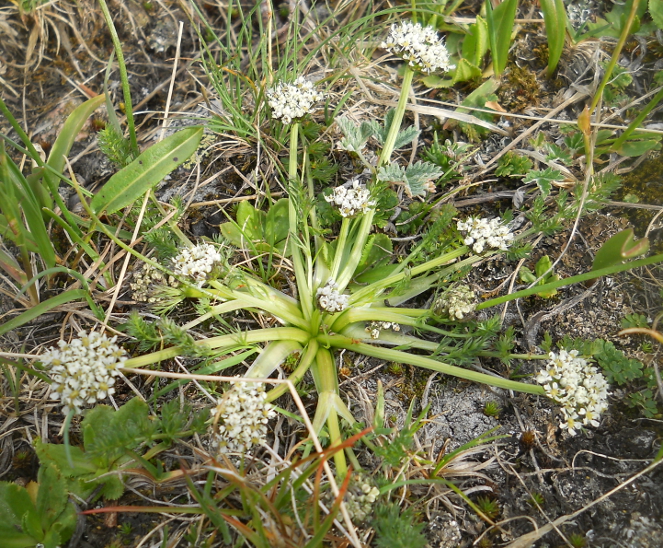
(269, 302)
(378, 314)
(626, 31)
(340, 247)
(418, 286)
(388, 354)
(222, 341)
(591, 275)
(297, 375)
(297, 260)
(398, 118)
(637, 122)
(358, 244)
(371, 291)
(217, 310)
(326, 380)
(126, 90)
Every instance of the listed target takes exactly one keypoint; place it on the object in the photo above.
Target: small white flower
(240, 418)
(482, 233)
(196, 262)
(420, 46)
(580, 389)
(292, 101)
(84, 370)
(456, 302)
(351, 201)
(330, 299)
(374, 328)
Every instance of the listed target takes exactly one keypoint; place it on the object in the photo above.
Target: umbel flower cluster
(84, 370)
(457, 302)
(482, 233)
(239, 420)
(330, 299)
(292, 101)
(374, 328)
(420, 46)
(359, 498)
(197, 262)
(580, 388)
(145, 281)
(351, 201)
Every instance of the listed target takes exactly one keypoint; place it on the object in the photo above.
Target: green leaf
(378, 247)
(275, 229)
(250, 221)
(55, 454)
(544, 179)
(406, 136)
(635, 148)
(475, 44)
(42, 308)
(656, 12)
(66, 138)
(52, 497)
(500, 26)
(417, 175)
(25, 198)
(465, 71)
(554, 15)
(619, 248)
(131, 182)
(354, 137)
(15, 503)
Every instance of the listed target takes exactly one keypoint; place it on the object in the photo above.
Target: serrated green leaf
(417, 175)
(393, 173)
(544, 179)
(15, 503)
(378, 248)
(465, 71)
(354, 137)
(475, 44)
(52, 497)
(131, 182)
(656, 12)
(406, 136)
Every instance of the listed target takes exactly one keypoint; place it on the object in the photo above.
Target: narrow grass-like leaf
(10, 174)
(554, 14)
(67, 136)
(500, 26)
(131, 182)
(42, 308)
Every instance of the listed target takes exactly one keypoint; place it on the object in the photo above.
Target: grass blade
(554, 14)
(500, 26)
(42, 308)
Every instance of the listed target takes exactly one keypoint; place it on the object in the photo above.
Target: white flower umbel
(580, 388)
(421, 47)
(457, 302)
(330, 299)
(239, 421)
(481, 233)
(197, 262)
(84, 370)
(292, 101)
(351, 201)
(374, 328)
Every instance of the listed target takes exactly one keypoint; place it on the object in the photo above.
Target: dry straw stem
(300, 406)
